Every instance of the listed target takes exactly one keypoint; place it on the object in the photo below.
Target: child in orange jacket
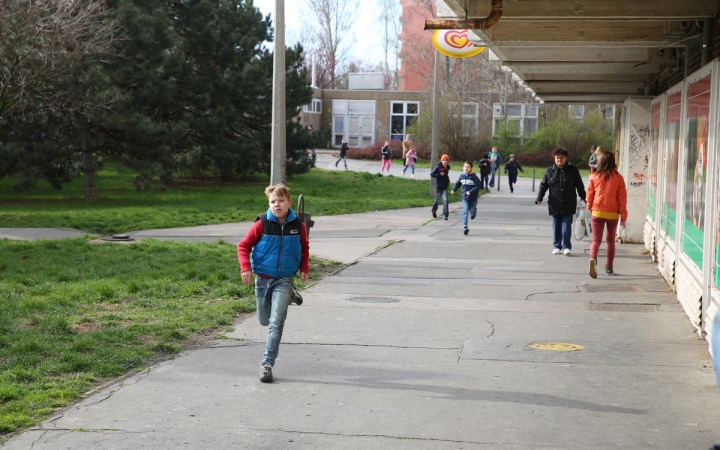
(607, 200)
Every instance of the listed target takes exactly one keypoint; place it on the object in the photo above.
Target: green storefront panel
(668, 221)
(692, 242)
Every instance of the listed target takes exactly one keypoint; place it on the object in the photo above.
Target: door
(360, 130)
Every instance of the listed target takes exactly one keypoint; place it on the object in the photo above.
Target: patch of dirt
(86, 327)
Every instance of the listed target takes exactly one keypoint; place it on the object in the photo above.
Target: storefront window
(670, 163)
(653, 159)
(698, 107)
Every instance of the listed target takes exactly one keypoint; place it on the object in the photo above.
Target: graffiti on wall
(638, 155)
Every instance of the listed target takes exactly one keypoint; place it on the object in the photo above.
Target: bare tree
(390, 18)
(327, 32)
(46, 48)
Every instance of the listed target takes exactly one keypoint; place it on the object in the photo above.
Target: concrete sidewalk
(425, 344)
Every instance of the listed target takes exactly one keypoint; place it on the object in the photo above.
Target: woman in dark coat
(563, 180)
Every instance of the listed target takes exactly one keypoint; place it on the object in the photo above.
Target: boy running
(511, 168)
(279, 245)
(470, 188)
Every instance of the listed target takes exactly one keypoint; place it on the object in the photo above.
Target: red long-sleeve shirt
(253, 236)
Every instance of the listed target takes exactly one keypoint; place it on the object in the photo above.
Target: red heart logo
(457, 39)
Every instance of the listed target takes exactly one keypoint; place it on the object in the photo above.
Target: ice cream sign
(455, 43)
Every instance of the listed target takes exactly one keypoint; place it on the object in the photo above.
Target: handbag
(414, 160)
(579, 225)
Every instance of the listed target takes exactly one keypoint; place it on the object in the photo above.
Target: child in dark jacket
(511, 168)
(484, 165)
(275, 248)
(470, 188)
(442, 182)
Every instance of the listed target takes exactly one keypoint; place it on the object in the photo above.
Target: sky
(367, 46)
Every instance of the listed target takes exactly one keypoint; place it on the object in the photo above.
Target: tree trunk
(88, 163)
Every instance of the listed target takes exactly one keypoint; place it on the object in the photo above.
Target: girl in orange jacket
(607, 200)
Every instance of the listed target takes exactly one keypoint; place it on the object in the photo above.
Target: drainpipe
(706, 41)
(468, 24)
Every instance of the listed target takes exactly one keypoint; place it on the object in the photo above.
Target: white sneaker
(556, 251)
(566, 252)
(413, 175)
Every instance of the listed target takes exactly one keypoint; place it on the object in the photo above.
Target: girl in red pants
(607, 200)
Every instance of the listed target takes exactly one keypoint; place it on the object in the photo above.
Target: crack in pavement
(527, 297)
(318, 433)
(40, 437)
(256, 343)
(492, 328)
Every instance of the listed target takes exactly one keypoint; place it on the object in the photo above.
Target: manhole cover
(610, 288)
(556, 346)
(373, 300)
(625, 307)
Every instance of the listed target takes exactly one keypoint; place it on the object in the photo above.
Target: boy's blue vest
(278, 252)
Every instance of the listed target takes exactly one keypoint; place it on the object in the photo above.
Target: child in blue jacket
(511, 168)
(442, 182)
(470, 188)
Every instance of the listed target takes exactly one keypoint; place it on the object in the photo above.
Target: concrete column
(278, 142)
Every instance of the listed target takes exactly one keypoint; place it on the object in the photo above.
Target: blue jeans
(492, 174)
(441, 193)
(468, 206)
(413, 169)
(343, 159)
(562, 229)
(273, 298)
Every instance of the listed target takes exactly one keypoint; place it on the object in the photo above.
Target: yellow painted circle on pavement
(556, 346)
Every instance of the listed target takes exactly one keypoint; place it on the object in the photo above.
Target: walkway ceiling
(577, 51)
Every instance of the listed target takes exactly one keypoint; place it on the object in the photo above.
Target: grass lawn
(73, 314)
(121, 207)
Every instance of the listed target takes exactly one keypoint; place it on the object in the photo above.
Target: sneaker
(266, 375)
(434, 214)
(492, 184)
(336, 164)
(466, 231)
(556, 251)
(472, 217)
(446, 217)
(609, 270)
(591, 271)
(295, 297)
(403, 173)
(413, 175)
(566, 252)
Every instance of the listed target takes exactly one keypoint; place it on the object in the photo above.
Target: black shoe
(492, 184)
(446, 217)
(609, 270)
(466, 231)
(512, 190)
(295, 297)
(434, 214)
(335, 164)
(472, 217)
(266, 375)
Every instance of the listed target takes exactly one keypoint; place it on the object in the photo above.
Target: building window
(576, 111)
(522, 117)
(314, 107)
(467, 114)
(402, 115)
(607, 112)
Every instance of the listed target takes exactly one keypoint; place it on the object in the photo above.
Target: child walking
(410, 160)
(386, 158)
(511, 168)
(484, 165)
(470, 188)
(442, 182)
(279, 245)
